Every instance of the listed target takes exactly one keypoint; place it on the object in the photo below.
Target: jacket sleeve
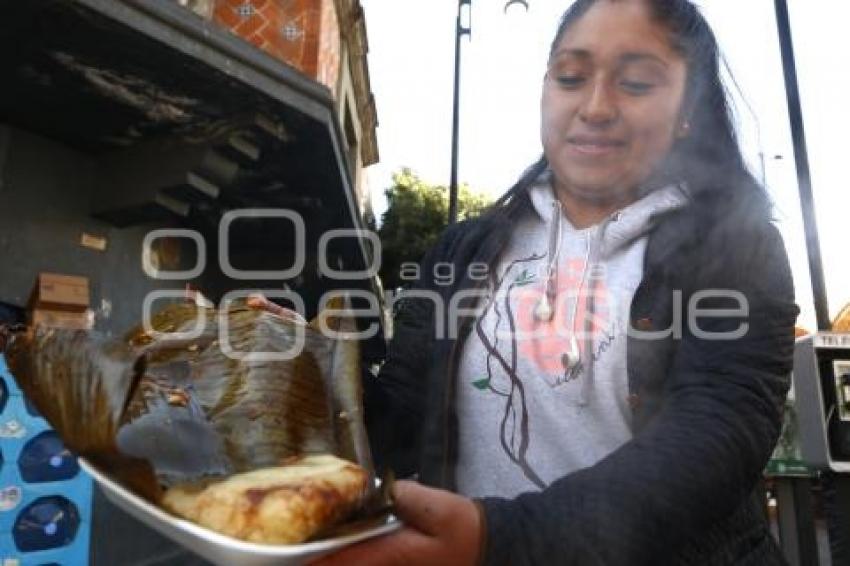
(395, 399)
(698, 459)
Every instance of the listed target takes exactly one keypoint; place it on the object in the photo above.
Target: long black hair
(709, 160)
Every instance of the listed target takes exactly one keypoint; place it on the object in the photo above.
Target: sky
(411, 63)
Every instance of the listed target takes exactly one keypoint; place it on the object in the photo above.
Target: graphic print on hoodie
(540, 397)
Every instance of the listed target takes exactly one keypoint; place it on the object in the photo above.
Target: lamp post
(801, 157)
(796, 522)
(460, 31)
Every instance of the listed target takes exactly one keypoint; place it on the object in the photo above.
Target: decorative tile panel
(286, 29)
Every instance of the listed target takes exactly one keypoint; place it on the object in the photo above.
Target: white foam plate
(222, 549)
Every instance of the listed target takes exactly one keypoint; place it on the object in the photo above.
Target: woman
(598, 407)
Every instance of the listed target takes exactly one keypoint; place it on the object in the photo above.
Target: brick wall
(307, 35)
(330, 46)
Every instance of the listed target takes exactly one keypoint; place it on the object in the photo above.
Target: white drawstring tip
(569, 361)
(543, 311)
(572, 357)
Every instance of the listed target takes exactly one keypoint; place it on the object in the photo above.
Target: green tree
(416, 215)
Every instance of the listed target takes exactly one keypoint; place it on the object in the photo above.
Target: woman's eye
(569, 81)
(637, 87)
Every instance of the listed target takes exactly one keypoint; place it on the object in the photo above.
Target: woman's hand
(439, 528)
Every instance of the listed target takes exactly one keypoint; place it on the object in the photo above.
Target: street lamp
(461, 30)
(521, 3)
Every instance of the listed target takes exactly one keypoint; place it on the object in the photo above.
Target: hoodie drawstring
(592, 267)
(545, 310)
(575, 358)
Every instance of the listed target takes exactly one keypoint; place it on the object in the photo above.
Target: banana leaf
(165, 404)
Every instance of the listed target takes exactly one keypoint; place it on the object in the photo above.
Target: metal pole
(796, 521)
(835, 491)
(460, 31)
(801, 157)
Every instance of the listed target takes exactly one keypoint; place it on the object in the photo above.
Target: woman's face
(612, 101)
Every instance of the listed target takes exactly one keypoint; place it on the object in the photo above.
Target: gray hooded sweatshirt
(542, 388)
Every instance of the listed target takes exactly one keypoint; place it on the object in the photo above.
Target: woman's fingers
(406, 546)
(423, 508)
(440, 528)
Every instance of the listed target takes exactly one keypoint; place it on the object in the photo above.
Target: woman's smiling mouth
(595, 146)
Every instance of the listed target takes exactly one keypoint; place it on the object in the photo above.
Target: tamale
(184, 406)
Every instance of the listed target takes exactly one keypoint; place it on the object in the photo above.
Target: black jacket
(706, 413)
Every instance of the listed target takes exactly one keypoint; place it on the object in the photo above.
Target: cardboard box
(60, 293)
(62, 319)
(60, 301)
